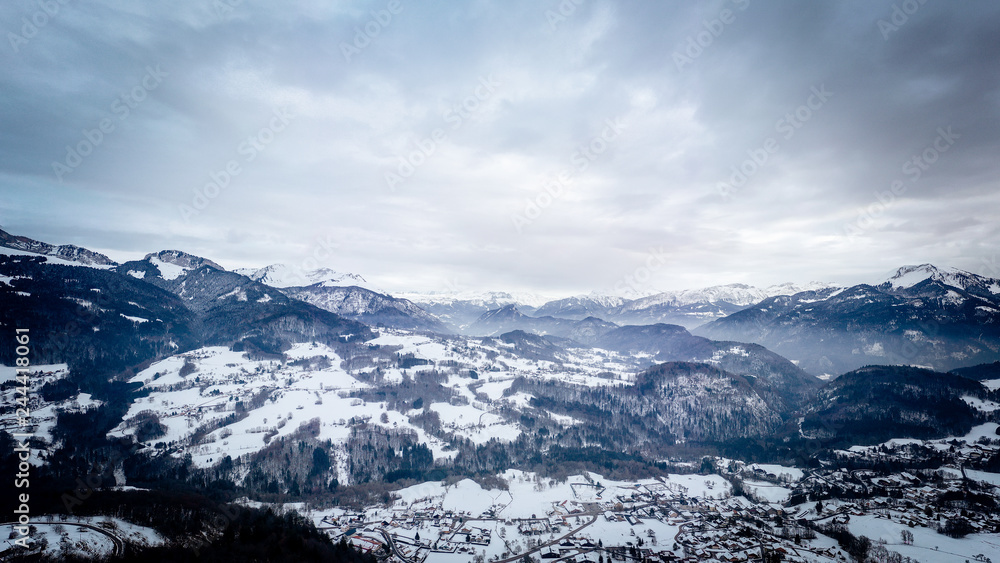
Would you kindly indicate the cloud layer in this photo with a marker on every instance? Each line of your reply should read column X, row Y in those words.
column 547, row 146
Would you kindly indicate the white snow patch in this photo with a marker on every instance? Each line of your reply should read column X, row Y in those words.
column 979, row 404
column 168, row 271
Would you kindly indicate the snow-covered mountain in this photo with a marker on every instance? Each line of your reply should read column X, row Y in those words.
column 171, row 264
column 283, row 275
column 345, row 294
column 367, row 306
column 459, row 309
column 688, row 307
column 738, row 294
column 694, row 307
column 922, row 315
column 207, row 377
column 909, row 276
column 488, row 299
column 595, row 304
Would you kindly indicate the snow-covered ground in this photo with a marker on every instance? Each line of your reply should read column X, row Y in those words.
column 782, row 472
column 928, row 545
column 767, row 492
column 979, row 404
column 63, row 536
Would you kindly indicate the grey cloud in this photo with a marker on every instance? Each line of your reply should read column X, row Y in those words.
column 655, row 184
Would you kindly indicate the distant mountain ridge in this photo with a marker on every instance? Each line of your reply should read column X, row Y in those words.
column 937, row 317
column 459, row 309
column 66, row 252
column 688, row 308
column 916, row 317
column 464, row 312
column 282, row 276
column 367, row 306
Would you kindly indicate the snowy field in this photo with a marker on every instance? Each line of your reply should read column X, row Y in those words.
column 928, row 545
column 767, row 492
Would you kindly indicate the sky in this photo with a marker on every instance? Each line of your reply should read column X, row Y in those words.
column 550, row 146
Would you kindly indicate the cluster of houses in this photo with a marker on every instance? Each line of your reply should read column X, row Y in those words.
column 710, row 525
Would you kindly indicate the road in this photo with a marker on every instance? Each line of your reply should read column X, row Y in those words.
column 556, row 541
column 392, row 546
column 119, row 548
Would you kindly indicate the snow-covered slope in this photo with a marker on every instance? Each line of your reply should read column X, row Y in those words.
column 213, row 402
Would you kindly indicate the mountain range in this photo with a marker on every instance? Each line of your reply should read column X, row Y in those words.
column 291, row 388
column 926, row 316
column 934, row 317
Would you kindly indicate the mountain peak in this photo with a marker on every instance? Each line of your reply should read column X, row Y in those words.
column 182, row 259
column 174, row 263
column 507, row 312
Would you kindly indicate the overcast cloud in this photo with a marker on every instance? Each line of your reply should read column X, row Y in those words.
column 550, row 146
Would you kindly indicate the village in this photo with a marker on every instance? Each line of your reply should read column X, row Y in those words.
column 943, row 513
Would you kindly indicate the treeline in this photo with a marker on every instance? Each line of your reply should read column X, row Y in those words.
column 380, row 454
column 877, row 403
column 671, row 403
